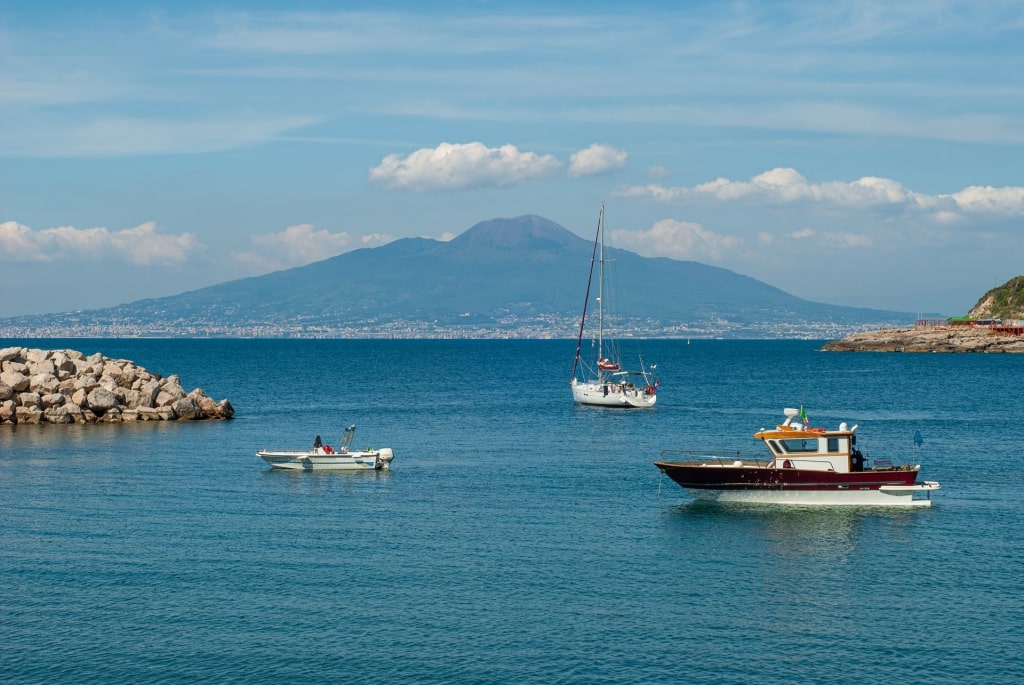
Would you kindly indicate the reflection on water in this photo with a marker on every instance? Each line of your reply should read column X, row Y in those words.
column 822, row 533
column 323, row 480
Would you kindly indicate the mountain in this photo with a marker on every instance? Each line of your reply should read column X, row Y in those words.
column 500, row 277
column 1002, row 302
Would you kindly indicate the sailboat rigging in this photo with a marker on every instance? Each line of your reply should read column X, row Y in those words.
column 609, row 385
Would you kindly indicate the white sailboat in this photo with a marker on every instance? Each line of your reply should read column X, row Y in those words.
column 604, row 382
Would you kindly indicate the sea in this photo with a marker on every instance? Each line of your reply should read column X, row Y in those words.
column 519, row 538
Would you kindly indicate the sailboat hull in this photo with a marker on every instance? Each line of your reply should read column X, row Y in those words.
column 606, row 394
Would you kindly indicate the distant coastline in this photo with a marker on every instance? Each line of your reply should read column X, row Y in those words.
column 550, row 328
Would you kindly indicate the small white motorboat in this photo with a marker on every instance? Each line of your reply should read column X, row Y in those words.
column 323, row 457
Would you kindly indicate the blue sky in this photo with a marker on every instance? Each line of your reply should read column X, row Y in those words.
column 855, row 153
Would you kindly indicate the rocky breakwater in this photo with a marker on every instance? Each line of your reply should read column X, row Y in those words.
column 66, row 386
column 954, row 339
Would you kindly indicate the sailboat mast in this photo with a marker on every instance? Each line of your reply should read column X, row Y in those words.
column 600, row 296
column 586, row 298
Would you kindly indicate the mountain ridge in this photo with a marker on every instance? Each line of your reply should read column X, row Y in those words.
column 498, row 276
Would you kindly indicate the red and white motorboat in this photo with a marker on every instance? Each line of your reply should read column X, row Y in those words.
column 805, row 465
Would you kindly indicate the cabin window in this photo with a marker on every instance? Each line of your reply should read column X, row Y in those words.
column 833, row 444
column 799, row 445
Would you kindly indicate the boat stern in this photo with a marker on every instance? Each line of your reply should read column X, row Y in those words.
column 384, row 458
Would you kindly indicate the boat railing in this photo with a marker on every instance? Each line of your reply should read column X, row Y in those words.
column 717, row 457
column 890, row 465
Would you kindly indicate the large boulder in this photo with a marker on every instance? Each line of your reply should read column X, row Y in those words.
column 7, row 411
column 33, row 356
column 30, row 399
column 57, row 415
column 186, row 409
column 80, row 397
column 110, row 384
column 225, row 410
column 44, row 382
column 63, row 363
column 16, row 366
column 133, row 399
column 147, row 414
column 28, row 415
column 16, row 380
column 112, row 415
column 54, row 399
column 172, row 386
column 100, row 401
column 74, row 412
column 150, row 391
column 11, row 353
column 46, row 367
column 87, row 381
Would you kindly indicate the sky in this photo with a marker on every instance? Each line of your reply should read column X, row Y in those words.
column 855, row 153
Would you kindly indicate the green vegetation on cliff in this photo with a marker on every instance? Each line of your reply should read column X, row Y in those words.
column 1003, row 302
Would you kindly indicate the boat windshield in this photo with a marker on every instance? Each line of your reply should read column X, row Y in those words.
column 797, row 445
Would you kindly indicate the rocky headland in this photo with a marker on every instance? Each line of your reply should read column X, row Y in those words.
column 995, row 324
column 66, row 386
column 929, row 340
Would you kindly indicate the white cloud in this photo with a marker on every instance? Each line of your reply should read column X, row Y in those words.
column 596, row 159
column 986, row 199
column 658, row 171
column 677, row 240
column 302, row 244
column 785, row 185
column 462, row 165
column 141, row 245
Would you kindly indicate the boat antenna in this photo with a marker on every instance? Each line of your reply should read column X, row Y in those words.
column 586, row 299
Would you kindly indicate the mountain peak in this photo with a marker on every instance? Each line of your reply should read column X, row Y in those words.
column 526, row 231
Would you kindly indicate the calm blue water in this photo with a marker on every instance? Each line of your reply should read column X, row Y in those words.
column 519, row 538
